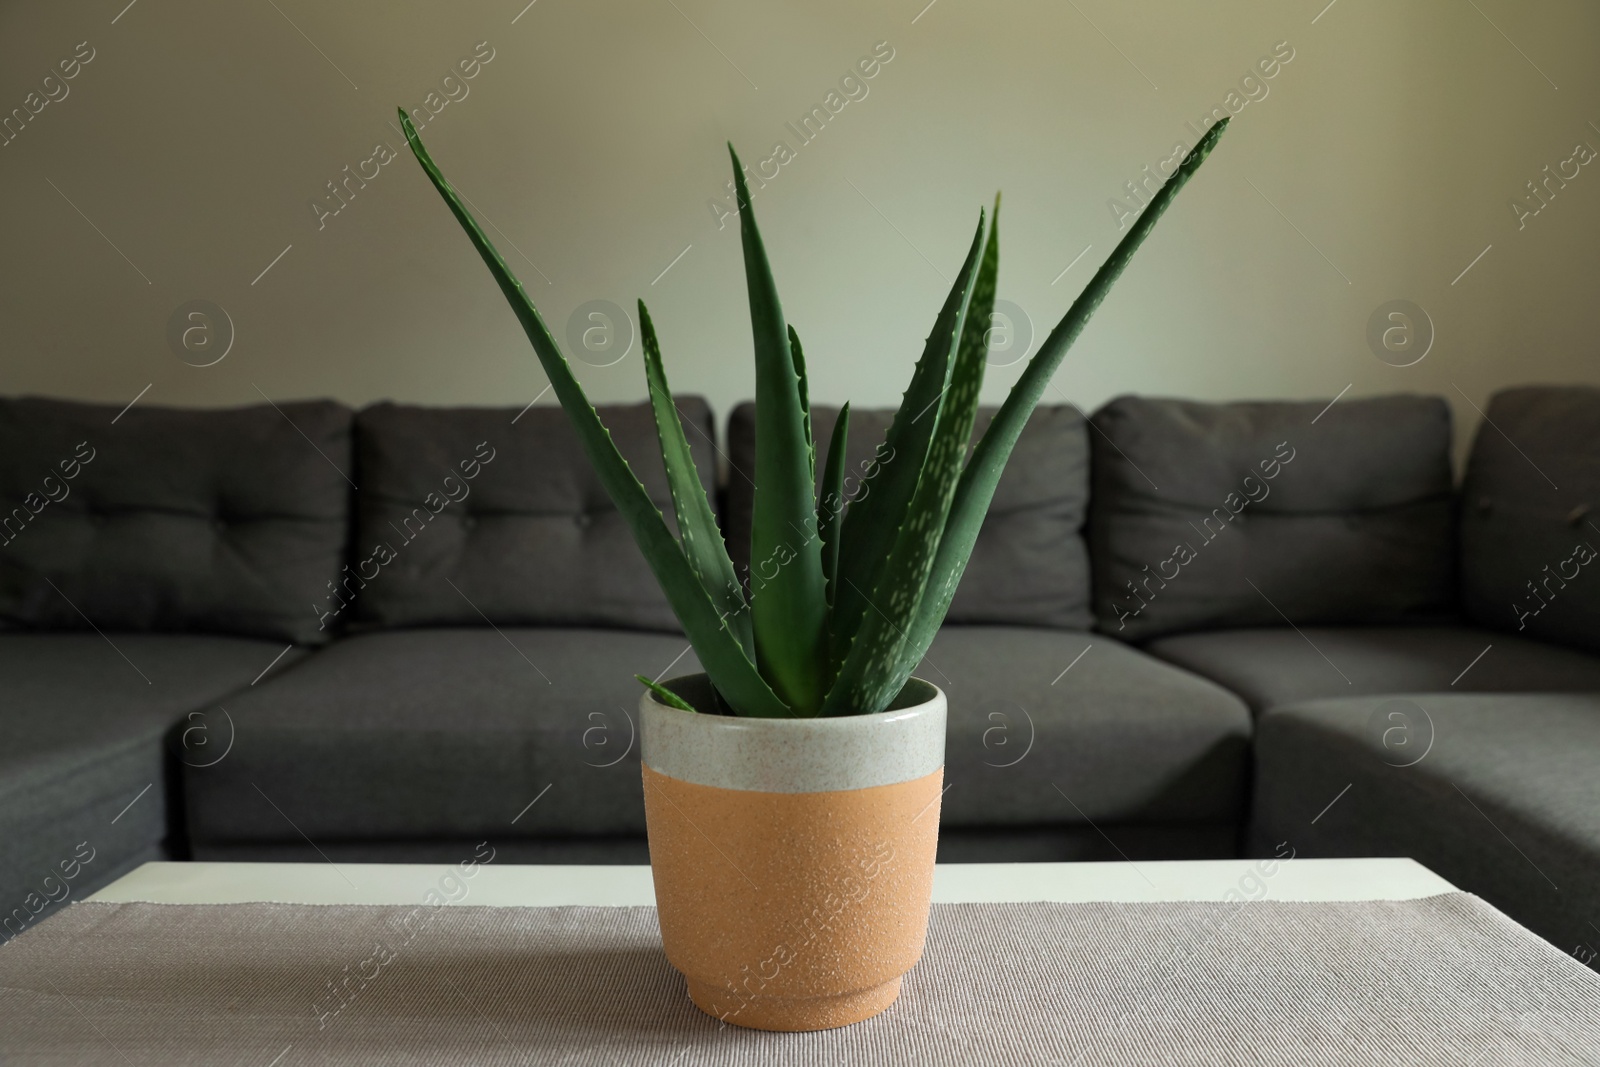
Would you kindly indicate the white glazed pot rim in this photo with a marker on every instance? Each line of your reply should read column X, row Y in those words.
column 804, row 755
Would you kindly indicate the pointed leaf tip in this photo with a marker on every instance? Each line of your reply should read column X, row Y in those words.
column 665, row 695
column 741, row 191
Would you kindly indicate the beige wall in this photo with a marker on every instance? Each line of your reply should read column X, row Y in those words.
column 197, row 136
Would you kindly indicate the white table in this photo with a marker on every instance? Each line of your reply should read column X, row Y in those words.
column 1346, row 961
column 547, row 885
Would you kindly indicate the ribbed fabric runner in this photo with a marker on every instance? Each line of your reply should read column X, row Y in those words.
column 1444, row 980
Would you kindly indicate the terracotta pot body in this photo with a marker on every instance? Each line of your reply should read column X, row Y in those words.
column 793, row 858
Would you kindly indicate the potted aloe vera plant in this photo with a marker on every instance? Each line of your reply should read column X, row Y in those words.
column 792, row 789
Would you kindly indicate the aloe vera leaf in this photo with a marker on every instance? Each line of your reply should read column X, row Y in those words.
column 874, row 671
column 789, row 605
column 978, row 481
column 872, row 522
column 730, row 670
column 699, row 536
column 805, row 399
column 665, row 695
column 830, row 508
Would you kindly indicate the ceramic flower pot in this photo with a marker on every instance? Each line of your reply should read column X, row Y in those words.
column 793, row 858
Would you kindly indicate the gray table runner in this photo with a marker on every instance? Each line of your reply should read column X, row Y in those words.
column 1444, row 980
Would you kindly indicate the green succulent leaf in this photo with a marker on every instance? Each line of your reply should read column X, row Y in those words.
column 665, row 695
column 730, row 670
column 954, row 433
column 830, row 508
column 978, row 481
column 699, row 536
column 876, row 669
column 873, row 522
column 789, row 605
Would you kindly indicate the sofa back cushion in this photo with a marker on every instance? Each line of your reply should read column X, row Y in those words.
column 474, row 514
column 1030, row 566
column 1530, row 516
column 1206, row 516
column 230, row 521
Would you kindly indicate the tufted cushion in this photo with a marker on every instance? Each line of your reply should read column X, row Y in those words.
column 465, row 515
column 1339, row 513
column 1530, row 516
column 1029, row 567
column 230, row 521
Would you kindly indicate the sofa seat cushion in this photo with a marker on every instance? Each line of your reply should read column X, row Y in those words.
column 1206, row 516
column 468, row 514
column 1496, row 792
column 1065, row 727
column 1280, row 665
column 1530, row 516
column 439, row 734
column 85, row 765
column 228, row 521
column 1029, row 567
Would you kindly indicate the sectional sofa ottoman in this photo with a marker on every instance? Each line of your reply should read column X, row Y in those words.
column 1488, row 777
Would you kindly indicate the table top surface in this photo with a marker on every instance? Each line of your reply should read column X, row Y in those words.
column 1344, row 961
column 509, row 885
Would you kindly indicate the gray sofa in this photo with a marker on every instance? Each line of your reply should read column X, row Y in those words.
column 317, row 634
